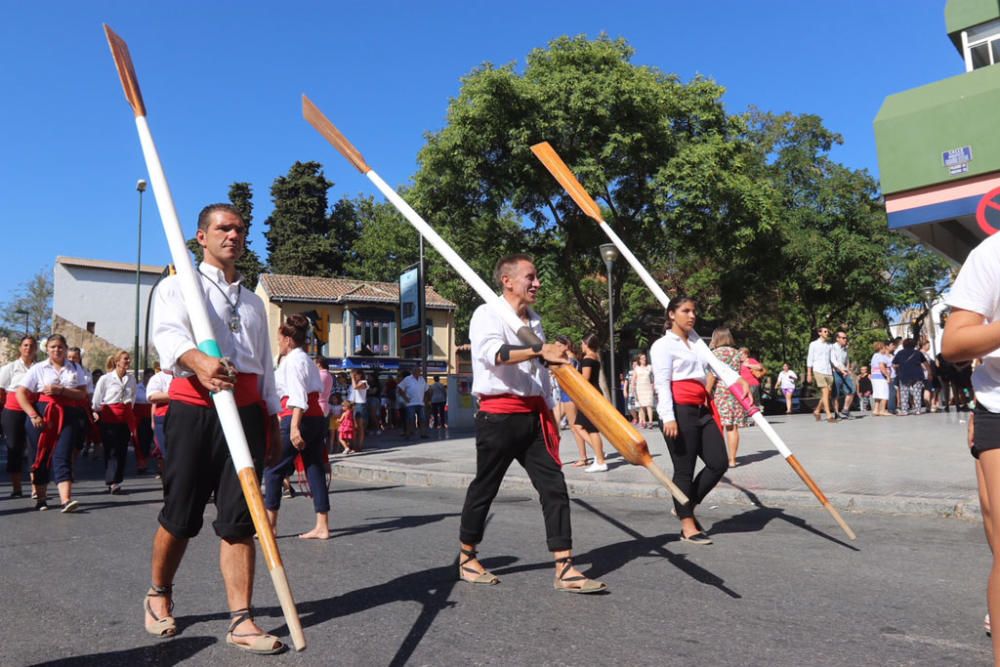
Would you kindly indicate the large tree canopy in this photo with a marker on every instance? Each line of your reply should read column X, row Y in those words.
column 747, row 212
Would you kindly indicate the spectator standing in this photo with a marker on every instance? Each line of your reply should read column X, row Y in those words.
column 818, row 368
column 358, row 396
column 413, row 388
column 632, row 401
column 590, row 369
column 439, row 401
column 786, row 383
column 731, row 413
column 569, row 407
column 752, row 371
column 881, row 363
column 843, row 379
column 893, row 347
column 910, row 365
column 864, row 389
column 642, row 376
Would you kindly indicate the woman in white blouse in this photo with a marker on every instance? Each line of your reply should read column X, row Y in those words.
column 53, row 393
column 685, row 408
column 303, row 426
column 13, row 418
column 114, row 397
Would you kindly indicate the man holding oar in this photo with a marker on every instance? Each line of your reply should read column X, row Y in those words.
column 199, row 463
column 515, row 423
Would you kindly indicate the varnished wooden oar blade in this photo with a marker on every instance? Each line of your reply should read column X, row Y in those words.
column 558, row 168
column 323, row 125
column 126, row 72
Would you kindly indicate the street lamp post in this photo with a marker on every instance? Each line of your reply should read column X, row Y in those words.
column 929, row 293
column 610, row 253
column 20, row 311
column 140, row 187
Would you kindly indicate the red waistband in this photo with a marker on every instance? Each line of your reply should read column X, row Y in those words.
column 689, row 392
column 11, row 401
column 511, row 404
column 189, row 390
column 314, row 409
column 160, row 409
column 116, row 413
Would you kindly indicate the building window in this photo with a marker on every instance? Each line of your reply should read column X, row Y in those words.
column 373, row 332
column 982, row 46
column 90, row 327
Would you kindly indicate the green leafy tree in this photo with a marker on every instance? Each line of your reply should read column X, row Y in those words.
column 303, row 237
column 31, row 301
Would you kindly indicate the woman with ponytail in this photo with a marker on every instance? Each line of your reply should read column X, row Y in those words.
column 685, row 406
column 303, row 426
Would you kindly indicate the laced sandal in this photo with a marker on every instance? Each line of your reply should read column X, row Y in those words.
column 485, row 577
column 261, row 643
column 161, row 627
column 568, row 584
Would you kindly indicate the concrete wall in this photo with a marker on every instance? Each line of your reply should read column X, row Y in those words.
column 104, row 297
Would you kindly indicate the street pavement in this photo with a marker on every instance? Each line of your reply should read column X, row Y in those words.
column 780, row 586
column 903, row 465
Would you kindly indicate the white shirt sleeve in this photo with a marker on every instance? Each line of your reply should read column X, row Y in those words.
column 663, row 372
column 296, row 376
column 6, row 373
column 975, row 288
column 487, row 336
column 98, row 400
column 172, row 332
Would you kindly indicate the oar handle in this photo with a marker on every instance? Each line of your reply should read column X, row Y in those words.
column 658, row 473
column 801, row 472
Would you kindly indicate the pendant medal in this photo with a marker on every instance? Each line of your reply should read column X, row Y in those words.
column 234, row 321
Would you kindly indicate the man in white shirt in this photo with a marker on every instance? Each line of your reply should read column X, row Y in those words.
column 515, row 423
column 818, row 366
column 199, row 463
column 412, row 389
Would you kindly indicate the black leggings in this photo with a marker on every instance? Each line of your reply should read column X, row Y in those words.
column 697, row 437
column 14, row 431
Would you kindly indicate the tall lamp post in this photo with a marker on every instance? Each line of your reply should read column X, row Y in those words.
column 140, row 187
column 929, row 293
column 609, row 253
column 19, row 311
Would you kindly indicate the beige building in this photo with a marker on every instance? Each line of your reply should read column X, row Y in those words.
column 360, row 320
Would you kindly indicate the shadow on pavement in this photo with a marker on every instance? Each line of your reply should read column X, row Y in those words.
column 613, row 556
column 756, row 457
column 393, row 524
column 755, row 520
column 170, row 652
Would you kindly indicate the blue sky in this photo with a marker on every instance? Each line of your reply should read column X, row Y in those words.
column 222, row 82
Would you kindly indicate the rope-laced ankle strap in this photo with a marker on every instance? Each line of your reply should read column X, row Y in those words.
column 237, row 616
column 161, row 591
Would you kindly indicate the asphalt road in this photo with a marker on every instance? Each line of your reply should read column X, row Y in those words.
column 776, row 588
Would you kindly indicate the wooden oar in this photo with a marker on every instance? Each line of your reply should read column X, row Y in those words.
column 619, row 432
column 225, row 402
column 548, row 156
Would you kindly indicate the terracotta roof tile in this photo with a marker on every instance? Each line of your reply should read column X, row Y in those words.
column 340, row 290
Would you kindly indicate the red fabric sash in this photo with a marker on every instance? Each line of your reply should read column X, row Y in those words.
column 117, row 413
column 160, row 409
column 11, row 401
column 189, row 390
column 693, row 392
column 314, row 409
column 51, row 428
column 511, row 404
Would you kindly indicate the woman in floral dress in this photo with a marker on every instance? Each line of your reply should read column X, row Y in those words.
column 730, row 411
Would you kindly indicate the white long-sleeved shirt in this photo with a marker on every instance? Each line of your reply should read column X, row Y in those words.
column 296, row 378
column 818, row 358
column 249, row 348
column 674, row 359
column 11, row 374
column 113, row 389
column 159, row 383
column 487, row 333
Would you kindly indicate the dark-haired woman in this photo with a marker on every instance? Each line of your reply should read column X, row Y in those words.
column 13, row 418
column 303, row 426
column 53, row 393
column 685, row 408
column 590, row 369
column 114, row 397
